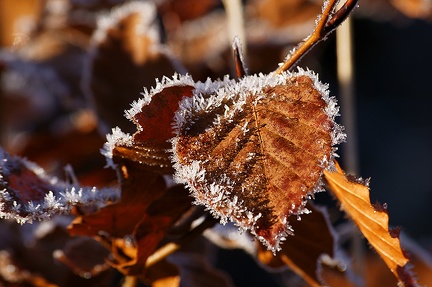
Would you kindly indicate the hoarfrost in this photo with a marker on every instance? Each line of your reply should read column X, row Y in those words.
column 49, row 196
column 117, row 137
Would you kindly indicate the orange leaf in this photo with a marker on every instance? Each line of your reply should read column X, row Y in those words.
column 373, row 223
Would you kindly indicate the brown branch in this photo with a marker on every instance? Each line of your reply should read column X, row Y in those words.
column 340, row 16
column 328, row 21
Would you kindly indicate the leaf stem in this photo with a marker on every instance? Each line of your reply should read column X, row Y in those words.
column 172, row 247
column 130, row 281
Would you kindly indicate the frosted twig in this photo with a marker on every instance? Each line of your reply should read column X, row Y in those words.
column 326, row 23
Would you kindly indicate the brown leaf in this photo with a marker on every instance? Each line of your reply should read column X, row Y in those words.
column 151, row 146
column 252, row 152
column 373, row 223
column 153, row 116
column 127, row 55
column 139, row 190
column 313, row 238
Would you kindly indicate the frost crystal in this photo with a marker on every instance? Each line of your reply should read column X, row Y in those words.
column 177, row 80
column 117, row 137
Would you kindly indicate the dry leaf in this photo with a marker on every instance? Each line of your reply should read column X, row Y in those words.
column 372, row 222
column 252, row 151
column 151, row 146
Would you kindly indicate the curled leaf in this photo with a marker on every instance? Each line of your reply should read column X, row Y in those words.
column 252, row 151
column 372, row 222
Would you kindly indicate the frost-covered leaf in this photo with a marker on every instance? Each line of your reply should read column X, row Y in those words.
column 252, row 151
column 153, row 116
column 126, row 54
column 313, row 240
column 372, row 222
column 27, row 193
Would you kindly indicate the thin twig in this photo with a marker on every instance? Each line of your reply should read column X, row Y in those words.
column 340, row 16
column 130, row 281
column 328, row 21
column 172, row 247
column 240, row 66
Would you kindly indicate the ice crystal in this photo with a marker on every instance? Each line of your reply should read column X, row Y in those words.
column 177, row 80
column 117, row 137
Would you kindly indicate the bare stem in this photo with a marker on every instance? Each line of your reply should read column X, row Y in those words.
column 172, row 247
column 130, row 281
column 238, row 59
column 328, row 21
column 234, row 10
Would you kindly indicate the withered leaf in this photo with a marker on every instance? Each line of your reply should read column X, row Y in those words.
column 127, row 54
column 251, row 152
column 27, row 193
column 372, row 222
column 139, row 190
